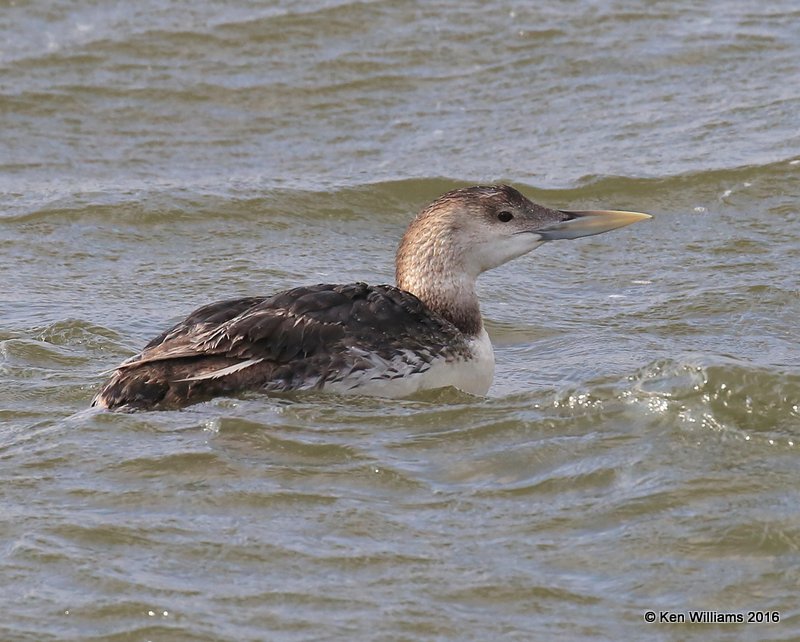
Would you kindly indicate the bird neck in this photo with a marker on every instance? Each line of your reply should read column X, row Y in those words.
column 430, row 268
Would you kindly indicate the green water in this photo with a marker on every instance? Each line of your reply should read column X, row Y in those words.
column 639, row 449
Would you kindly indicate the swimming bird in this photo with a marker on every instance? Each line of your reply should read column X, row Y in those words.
column 426, row 332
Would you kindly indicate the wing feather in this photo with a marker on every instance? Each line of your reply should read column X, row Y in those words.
column 299, row 323
column 303, row 338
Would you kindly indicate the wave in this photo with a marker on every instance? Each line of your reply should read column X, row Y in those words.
column 721, row 393
column 143, row 201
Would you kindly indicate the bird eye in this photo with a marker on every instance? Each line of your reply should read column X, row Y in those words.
column 505, row 216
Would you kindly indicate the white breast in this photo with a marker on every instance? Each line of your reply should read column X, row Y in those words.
column 473, row 375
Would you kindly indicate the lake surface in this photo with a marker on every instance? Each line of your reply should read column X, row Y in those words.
column 640, row 447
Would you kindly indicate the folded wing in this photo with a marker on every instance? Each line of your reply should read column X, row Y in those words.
column 298, row 339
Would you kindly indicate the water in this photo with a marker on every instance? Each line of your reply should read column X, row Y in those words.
column 639, row 448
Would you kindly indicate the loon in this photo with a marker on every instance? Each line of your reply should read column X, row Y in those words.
column 380, row 340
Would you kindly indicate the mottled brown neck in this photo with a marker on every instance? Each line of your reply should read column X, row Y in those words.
column 431, row 268
column 464, row 314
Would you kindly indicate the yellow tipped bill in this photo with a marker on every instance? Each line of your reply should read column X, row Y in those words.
column 589, row 222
